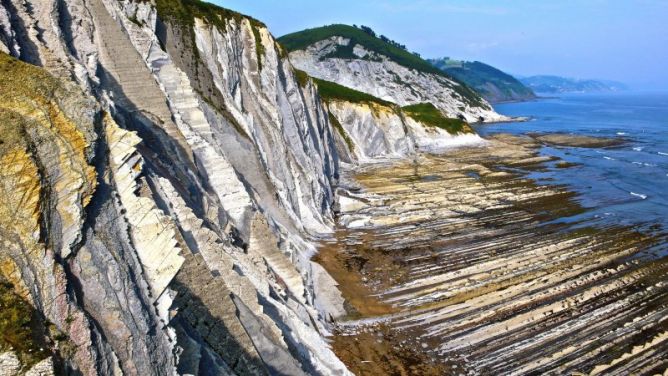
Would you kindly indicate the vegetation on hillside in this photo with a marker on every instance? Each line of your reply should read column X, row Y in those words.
column 20, row 327
column 339, row 128
column 492, row 83
column 556, row 84
column 429, row 115
column 301, row 76
column 425, row 113
column 184, row 12
column 370, row 31
column 382, row 45
column 259, row 47
column 365, row 37
column 331, row 90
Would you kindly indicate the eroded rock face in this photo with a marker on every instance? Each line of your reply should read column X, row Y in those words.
column 370, row 132
column 375, row 74
column 455, row 264
column 163, row 191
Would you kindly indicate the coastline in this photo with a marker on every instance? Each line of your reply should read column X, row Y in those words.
column 531, row 99
column 421, row 247
column 515, row 119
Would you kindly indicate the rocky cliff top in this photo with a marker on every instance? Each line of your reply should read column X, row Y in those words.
column 166, row 176
column 164, row 180
column 358, row 59
column 363, row 36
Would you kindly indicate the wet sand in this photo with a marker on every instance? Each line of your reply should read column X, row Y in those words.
column 459, row 264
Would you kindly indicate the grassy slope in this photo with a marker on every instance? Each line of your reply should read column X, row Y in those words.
column 425, row 113
column 330, row 90
column 302, row 39
column 477, row 75
column 183, row 13
column 429, row 115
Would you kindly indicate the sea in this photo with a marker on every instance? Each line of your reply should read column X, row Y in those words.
column 621, row 185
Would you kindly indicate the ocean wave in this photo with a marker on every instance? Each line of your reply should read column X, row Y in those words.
column 608, row 158
column 638, row 148
column 644, row 164
column 642, row 196
column 661, row 153
column 621, row 133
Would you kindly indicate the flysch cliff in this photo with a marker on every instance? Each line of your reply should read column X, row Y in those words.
column 369, row 129
column 164, row 179
column 357, row 59
column 166, row 173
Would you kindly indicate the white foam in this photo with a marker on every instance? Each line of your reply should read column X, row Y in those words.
column 610, row 159
column 642, row 196
column 638, row 163
column 638, row 148
column 661, row 153
column 621, row 133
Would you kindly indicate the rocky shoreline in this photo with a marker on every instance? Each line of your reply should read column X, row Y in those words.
column 574, row 140
column 460, row 263
column 166, row 174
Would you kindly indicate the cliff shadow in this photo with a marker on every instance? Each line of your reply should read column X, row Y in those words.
column 210, row 342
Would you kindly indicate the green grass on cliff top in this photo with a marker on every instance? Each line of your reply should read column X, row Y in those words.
column 425, row 113
column 185, row 12
column 302, row 39
column 429, row 115
column 329, row 90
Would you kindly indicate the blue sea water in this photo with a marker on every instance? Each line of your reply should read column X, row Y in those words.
column 625, row 185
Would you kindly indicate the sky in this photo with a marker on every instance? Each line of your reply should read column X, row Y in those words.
column 623, row 40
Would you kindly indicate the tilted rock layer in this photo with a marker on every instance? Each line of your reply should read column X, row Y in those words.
column 372, row 132
column 375, row 74
column 164, row 177
column 165, row 173
column 462, row 264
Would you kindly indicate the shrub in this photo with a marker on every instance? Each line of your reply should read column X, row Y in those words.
column 392, row 50
column 331, row 90
column 429, row 115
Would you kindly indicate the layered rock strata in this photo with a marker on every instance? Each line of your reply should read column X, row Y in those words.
column 163, row 192
column 369, row 132
column 165, row 174
column 375, row 74
column 463, row 258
